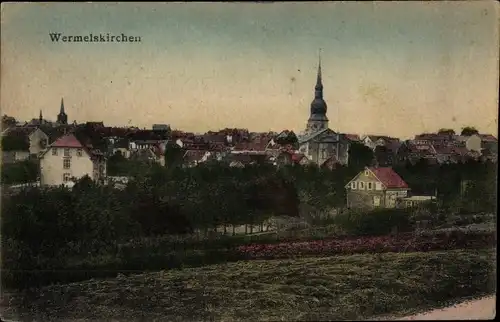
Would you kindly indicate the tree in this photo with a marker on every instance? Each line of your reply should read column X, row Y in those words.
column 8, row 121
column 14, row 143
column 173, row 155
column 117, row 164
column 469, row 130
column 20, row 172
column 446, row 131
column 360, row 156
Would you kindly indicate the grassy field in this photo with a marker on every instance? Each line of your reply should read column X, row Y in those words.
column 329, row 288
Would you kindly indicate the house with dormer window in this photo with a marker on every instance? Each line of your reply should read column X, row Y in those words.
column 376, row 187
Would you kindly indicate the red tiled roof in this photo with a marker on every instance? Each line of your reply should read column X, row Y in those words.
column 67, row 141
column 389, row 177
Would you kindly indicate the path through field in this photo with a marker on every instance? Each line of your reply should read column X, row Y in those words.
column 482, row 309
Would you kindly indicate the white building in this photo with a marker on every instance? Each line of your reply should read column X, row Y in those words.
column 68, row 158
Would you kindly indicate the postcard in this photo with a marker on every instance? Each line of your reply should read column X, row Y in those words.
column 249, row 161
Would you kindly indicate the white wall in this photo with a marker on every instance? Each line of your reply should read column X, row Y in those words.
column 52, row 171
column 35, row 138
column 473, row 143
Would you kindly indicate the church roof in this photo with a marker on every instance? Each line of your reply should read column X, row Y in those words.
column 309, row 136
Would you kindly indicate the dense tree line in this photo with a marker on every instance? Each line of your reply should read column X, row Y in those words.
column 469, row 186
column 14, row 143
column 43, row 228
column 20, row 172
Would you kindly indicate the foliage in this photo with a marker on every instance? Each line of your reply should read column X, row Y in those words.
column 376, row 222
column 356, row 287
column 48, row 228
column 446, row 131
column 360, row 156
column 401, row 243
column 173, row 155
column 20, row 172
column 447, row 182
column 469, row 130
column 14, row 143
column 118, row 165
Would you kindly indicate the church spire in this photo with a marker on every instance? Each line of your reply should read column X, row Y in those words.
column 62, row 106
column 62, row 118
column 318, row 90
column 318, row 119
column 40, row 118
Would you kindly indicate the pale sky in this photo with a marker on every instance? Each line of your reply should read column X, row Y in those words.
column 388, row 67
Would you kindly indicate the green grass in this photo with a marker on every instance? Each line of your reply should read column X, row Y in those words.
column 331, row 288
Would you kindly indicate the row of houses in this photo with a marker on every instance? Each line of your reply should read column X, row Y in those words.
column 237, row 147
column 436, row 148
column 76, row 153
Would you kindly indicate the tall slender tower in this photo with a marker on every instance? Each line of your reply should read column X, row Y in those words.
column 62, row 118
column 317, row 120
column 40, row 118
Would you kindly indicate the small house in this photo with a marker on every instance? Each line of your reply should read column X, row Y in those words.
column 376, row 187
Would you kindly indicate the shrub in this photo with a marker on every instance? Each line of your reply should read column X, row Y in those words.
column 376, row 222
column 409, row 242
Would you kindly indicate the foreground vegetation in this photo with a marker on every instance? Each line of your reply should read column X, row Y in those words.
column 328, row 288
column 150, row 224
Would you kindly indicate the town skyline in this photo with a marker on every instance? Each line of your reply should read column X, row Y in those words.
column 193, row 72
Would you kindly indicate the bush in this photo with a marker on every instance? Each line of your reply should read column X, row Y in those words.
column 20, row 172
column 409, row 242
column 375, row 223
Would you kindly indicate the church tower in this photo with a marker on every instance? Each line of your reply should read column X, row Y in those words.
column 317, row 120
column 40, row 118
column 62, row 118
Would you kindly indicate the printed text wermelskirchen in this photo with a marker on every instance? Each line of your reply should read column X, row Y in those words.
column 91, row 38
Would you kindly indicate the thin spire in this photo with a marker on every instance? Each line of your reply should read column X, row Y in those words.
column 40, row 117
column 319, row 82
column 319, row 66
column 62, row 106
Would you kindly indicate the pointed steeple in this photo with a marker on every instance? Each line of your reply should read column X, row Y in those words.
column 319, row 82
column 62, row 118
column 62, row 106
column 40, row 118
column 318, row 119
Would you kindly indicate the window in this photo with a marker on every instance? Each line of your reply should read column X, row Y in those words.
column 376, row 201
column 54, row 151
column 378, row 186
column 67, row 163
column 361, row 185
column 370, row 186
column 66, row 177
column 79, row 152
column 66, row 152
column 324, row 153
column 353, row 185
column 366, row 172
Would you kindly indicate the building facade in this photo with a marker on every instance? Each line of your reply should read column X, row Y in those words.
column 376, row 188
column 318, row 142
column 68, row 158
